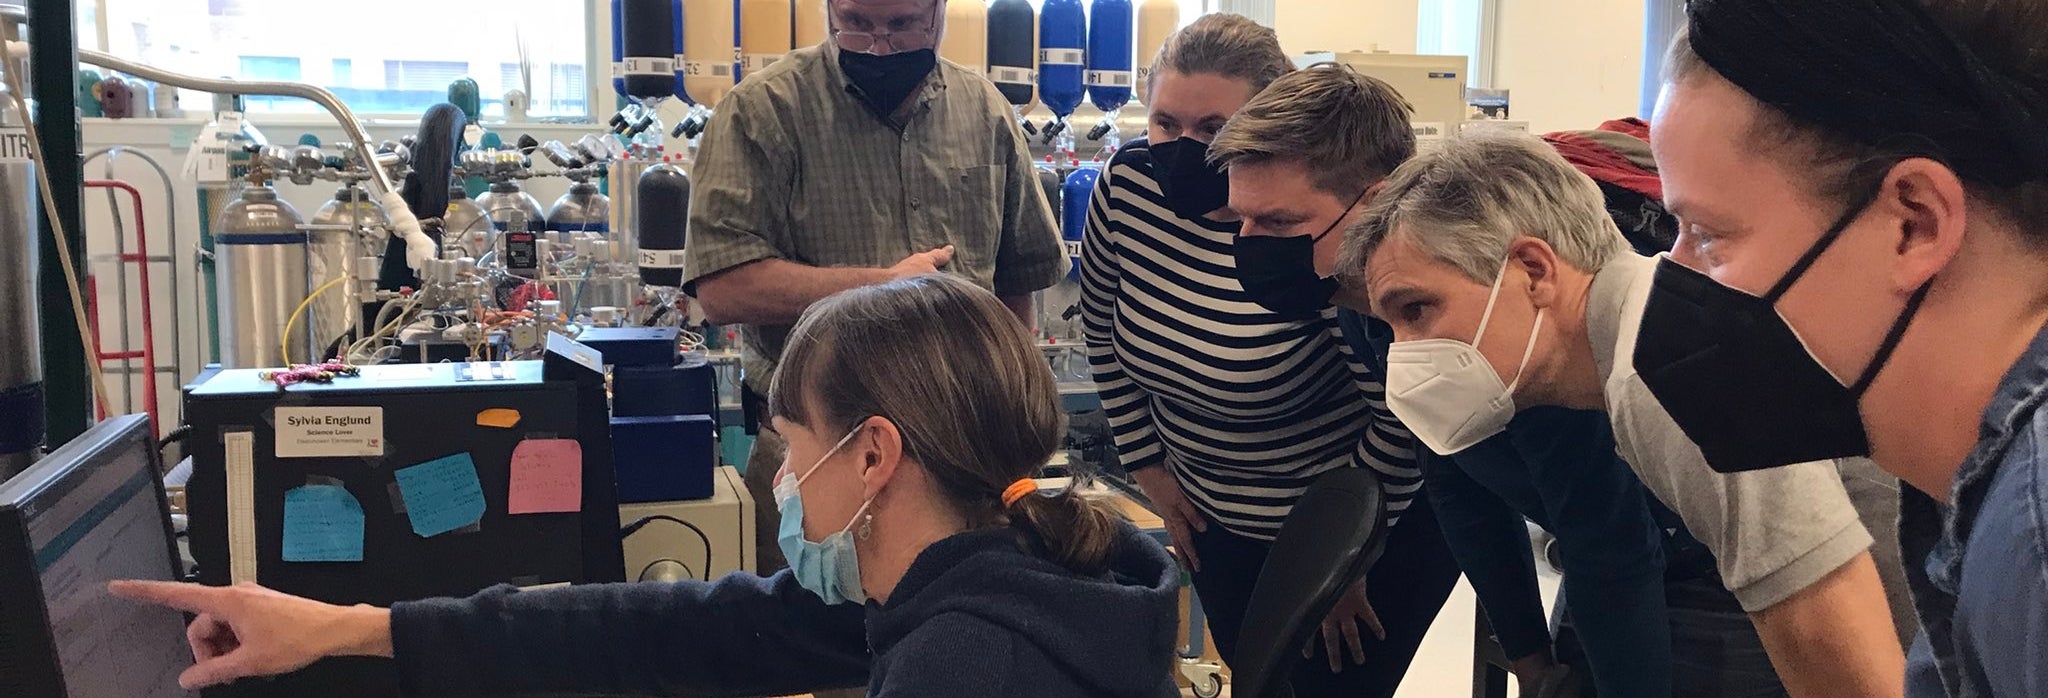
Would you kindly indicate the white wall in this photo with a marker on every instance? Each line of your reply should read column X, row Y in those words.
column 1570, row 64
column 1346, row 25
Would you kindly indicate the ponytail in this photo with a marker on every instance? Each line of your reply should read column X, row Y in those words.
column 1075, row 531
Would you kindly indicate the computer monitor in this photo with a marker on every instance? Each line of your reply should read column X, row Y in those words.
column 90, row 513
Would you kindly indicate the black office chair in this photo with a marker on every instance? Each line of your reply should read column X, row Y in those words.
column 1334, row 534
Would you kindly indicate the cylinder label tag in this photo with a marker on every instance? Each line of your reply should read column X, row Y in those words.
column 650, row 65
column 661, row 259
column 1109, row 78
column 1010, row 75
column 700, row 69
column 1062, row 56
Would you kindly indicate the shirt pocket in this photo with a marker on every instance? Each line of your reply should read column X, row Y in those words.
column 974, row 218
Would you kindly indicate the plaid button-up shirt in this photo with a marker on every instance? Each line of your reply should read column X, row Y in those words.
column 797, row 167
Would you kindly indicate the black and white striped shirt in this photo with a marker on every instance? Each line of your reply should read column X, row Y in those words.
column 1244, row 406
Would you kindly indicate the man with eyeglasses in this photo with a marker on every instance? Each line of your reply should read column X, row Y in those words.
column 855, row 162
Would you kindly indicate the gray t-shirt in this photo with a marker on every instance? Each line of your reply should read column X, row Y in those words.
column 1774, row 532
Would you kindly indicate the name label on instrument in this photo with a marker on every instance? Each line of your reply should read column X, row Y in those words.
column 329, row 432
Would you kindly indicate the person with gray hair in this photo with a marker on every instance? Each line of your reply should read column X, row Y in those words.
column 1303, row 161
column 1498, row 233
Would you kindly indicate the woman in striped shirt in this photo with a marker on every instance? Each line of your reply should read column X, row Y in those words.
column 1224, row 411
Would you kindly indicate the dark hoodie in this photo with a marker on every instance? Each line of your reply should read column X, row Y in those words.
column 975, row 615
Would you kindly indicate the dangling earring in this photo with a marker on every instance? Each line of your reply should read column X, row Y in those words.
column 867, row 526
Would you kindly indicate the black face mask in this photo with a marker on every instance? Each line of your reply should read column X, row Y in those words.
column 1191, row 185
column 1279, row 273
column 885, row 81
column 1736, row 378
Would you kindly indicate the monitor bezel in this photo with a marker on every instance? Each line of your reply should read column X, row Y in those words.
column 27, row 623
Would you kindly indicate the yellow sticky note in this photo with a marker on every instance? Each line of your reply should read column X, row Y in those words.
column 498, row 417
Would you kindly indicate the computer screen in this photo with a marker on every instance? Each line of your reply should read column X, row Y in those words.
column 90, row 513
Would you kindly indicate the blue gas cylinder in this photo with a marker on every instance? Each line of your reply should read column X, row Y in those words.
column 1109, row 54
column 1062, row 55
column 1075, row 195
column 618, row 47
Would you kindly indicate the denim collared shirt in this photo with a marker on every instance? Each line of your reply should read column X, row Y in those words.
column 1982, row 591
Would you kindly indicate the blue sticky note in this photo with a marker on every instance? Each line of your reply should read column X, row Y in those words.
column 442, row 495
column 322, row 523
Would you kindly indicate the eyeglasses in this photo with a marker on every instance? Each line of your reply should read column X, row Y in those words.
column 901, row 40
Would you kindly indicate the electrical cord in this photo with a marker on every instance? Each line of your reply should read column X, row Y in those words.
column 284, row 348
column 35, row 147
column 635, row 527
column 408, row 304
column 173, row 436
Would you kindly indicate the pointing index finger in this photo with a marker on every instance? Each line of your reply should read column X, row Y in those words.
column 193, row 598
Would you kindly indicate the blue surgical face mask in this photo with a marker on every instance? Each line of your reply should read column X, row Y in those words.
column 829, row 569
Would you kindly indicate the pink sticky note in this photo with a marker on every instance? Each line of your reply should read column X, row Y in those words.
column 547, row 477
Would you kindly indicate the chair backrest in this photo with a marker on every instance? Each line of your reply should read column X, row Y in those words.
column 1334, row 534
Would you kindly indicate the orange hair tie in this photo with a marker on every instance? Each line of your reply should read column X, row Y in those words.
column 1017, row 490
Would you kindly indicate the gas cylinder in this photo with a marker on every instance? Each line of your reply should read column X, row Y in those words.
column 663, row 215
column 336, row 252
column 618, row 48
column 1074, row 197
column 260, row 270
column 708, row 49
column 464, row 224
column 581, row 210
column 649, row 58
column 517, row 217
column 1013, row 51
column 1062, row 55
column 21, row 361
column 681, row 61
column 1157, row 19
column 966, row 41
column 1109, row 54
column 809, row 24
column 764, row 33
